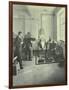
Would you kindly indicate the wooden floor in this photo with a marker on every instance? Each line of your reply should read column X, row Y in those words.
column 39, row 74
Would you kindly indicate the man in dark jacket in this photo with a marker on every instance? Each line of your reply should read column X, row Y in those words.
column 27, row 44
column 17, row 52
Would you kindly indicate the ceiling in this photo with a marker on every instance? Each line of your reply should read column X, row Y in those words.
column 33, row 11
column 41, row 9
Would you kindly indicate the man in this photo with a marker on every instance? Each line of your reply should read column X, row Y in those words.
column 59, row 53
column 27, row 44
column 39, row 44
column 18, row 45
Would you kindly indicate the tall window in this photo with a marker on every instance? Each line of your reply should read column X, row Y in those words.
column 61, row 25
column 47, row 26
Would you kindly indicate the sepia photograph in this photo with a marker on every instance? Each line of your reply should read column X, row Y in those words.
column 37, row 44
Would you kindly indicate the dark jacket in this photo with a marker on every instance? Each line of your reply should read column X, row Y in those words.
column 17, row 44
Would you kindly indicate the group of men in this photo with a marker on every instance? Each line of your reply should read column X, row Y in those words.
column 25, row 45
column 52, row 51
